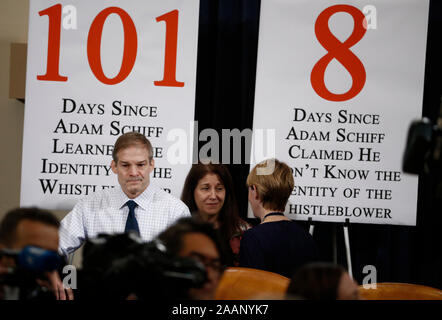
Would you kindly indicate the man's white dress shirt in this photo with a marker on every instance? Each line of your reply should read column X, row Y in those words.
column 106, row 212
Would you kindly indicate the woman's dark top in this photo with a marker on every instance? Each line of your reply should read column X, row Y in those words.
column 280, row 247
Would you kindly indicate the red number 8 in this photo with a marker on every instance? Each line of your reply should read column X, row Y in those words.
column 340, row 51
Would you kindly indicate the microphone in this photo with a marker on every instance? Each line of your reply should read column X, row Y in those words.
column 35, row 258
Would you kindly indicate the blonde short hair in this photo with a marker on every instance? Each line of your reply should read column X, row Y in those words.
column 274, row 188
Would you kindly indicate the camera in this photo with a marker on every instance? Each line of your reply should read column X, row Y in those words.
column 118, row 266
column 31, row 263
column 423, row 153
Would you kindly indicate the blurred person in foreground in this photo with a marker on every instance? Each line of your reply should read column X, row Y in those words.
column 278, row 244
column 208, row 192
column 322, row 281
column 195, row 239
column 25, row 227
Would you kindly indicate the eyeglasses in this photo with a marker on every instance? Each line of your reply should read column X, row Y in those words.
column 214, row 264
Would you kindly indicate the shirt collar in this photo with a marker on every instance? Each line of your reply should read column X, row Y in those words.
column 142, row 200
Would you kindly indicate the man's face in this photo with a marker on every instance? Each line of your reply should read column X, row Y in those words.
column 133, row 169
column 33, row 233
column 200, row 247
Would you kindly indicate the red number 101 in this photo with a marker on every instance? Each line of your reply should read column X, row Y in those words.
column 94, row 46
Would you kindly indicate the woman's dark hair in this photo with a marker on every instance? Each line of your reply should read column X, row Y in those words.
column 316, row 281
column 228, row 218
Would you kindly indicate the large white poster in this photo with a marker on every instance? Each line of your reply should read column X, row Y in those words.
column 340, row 83
column 97, row 69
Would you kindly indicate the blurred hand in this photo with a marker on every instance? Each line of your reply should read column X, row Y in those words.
column 55, row 284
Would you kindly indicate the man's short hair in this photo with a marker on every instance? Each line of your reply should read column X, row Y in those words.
column 130, row 139
column 273, row 189
column 8, row 226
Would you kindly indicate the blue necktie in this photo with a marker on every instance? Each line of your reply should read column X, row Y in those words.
column 131, row 222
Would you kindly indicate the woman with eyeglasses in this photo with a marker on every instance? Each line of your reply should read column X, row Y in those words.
column 195, row 239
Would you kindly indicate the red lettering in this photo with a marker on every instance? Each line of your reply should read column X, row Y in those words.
column 340, row 51
column 169, row 77
column 94, row 45
column 53, row 58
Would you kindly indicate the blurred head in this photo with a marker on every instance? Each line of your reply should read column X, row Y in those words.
column 270, row 189
column 323, row 281
column 196, row 239
column 208, row 191
column 132, row 163
column 28, row 227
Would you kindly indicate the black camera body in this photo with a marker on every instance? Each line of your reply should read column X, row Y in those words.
column 118, row 266
column 423, row 153
column 424, row 147
column 30, row 265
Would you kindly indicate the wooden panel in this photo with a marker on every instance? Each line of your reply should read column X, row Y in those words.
column 246, row 283
column 17, row 70
column 400, row 291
